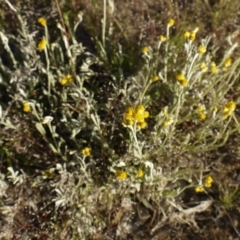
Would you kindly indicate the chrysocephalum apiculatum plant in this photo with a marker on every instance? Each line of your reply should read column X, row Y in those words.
column 175, row 109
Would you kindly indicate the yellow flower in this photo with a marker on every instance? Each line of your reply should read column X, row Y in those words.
column 228, row 62
column 128, row 115
column 26, row 107
column 214, row 68
column 171, row 22
column 140, row 173
column 168, row 121
column 191, row 35
column 199, row 189
column 146, row 114
column 182, row 80
column 42, row 44
column 202, row 116
column 155, row 78
column 186, row 34
column 121, row 175
column 202, row 112
column 203, row 67
column 49, row 174
column 209, row 179
column 66, row 80
column 180, row 76
column 208, row 182
column 141, row 125
column 145, row 50
column 42, row 21
column 228, row 109
column 86, row 151
column 137, row 115
column 162, row 38
column 201, row 49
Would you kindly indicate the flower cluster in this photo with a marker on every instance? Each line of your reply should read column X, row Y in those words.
column 191, row 35
column 207, row 183
column 228, row 109
column 66, row 80
column 135, row 115
column 182, row 79
column 201, row 111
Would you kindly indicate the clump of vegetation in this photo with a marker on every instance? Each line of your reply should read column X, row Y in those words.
column 93, row 150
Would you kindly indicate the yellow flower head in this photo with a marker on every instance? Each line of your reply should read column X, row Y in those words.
column 192, row 36
column 228, row 109
column 26, row 107
column 203, row 67
column 67, row 79
column 208, row 181
column 201, row 49
column 141, row 125
column 42, row 21
column 199, row 189
column 121, row 175
column 214, row 68
column 182, row 80
column 42, row 44
column 180, row 76
column 168, row 121
column 139, row 113
column 186, row 34
column 202, row 111
column 155, row 78
column 86, row 151
column 228, row 62
column 171, row 22
column 129, row 111
column 140, row 173
column 162, row 38
column 202, row 116
column 145, row 49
